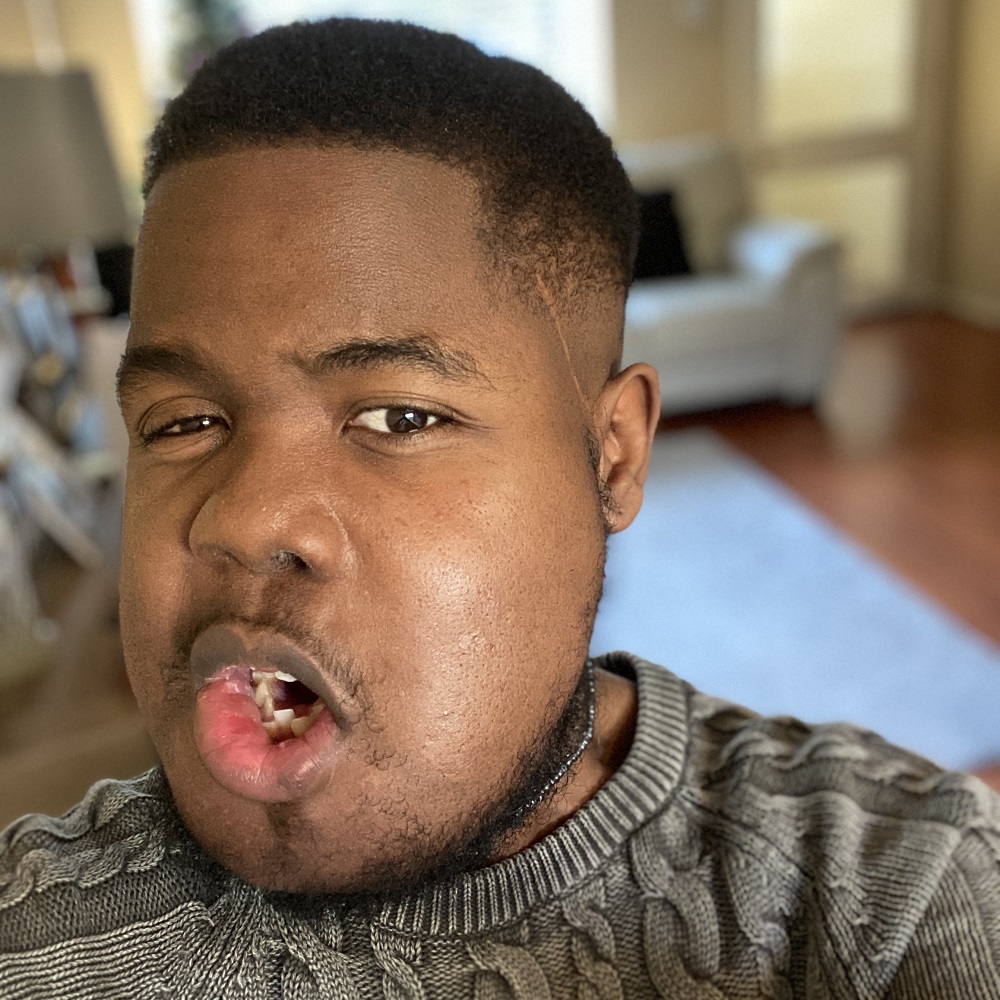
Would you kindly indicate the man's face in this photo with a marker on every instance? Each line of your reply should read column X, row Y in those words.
column 354, row 461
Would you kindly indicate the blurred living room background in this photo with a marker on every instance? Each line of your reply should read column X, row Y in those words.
column 820, row 290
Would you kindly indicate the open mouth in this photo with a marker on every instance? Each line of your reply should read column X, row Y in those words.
column 287, row 707
column 260, row 727
column 262, row 733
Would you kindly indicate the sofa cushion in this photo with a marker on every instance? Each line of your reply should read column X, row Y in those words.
column 709, row 189
column 661, row 251
column 666, row 320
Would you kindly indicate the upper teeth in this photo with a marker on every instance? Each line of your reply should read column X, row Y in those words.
column 269, row 675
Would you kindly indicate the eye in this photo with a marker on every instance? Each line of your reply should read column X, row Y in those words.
column 396, row 419
column 183, row 427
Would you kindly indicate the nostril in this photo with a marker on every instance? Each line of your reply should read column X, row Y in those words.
column 288, row 560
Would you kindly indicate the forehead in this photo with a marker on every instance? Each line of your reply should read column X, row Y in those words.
column 307, row 245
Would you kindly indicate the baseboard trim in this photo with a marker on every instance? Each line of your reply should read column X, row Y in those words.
column 984, row 310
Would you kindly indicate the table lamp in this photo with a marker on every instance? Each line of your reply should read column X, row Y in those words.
column 58, row 184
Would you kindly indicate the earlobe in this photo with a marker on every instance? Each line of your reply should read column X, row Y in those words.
column 628, row 411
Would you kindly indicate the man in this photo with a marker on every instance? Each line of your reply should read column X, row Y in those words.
column 378, row 438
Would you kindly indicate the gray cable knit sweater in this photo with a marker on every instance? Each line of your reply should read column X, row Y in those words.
column 730, row 856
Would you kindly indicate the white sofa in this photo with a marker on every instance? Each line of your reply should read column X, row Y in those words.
column 759, row 317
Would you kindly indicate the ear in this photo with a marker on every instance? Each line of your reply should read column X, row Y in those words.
column 626, row 417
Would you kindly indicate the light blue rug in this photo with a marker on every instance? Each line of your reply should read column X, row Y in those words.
column 734, row 584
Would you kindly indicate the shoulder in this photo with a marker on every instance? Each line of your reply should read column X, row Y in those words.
column 859, row 851
column 825, row 796
column 110, row 814
column 61, row 877
column 829, row 776
column 108, row 900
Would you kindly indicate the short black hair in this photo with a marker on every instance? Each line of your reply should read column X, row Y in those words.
column 555, row 201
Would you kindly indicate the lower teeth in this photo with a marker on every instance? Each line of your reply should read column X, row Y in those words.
column 299, row 725
column 281, row 723
column 287, row 724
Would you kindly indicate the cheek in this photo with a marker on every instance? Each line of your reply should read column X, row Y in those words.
column 150, row 587
column 492, row 597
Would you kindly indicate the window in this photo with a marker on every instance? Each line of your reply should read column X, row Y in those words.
column 570, row 40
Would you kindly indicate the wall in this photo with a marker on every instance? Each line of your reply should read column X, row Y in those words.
column 972, row 242
column 96, row 35
column 15, row 38
column 669, row 68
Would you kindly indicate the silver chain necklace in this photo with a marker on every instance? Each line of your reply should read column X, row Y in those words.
column 588, row 735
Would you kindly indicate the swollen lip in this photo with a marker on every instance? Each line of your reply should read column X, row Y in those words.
column 236, row 748
column 240, row 754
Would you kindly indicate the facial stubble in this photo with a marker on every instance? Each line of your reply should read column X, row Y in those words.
column 481, row 836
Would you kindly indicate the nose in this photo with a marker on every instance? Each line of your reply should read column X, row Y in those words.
column 269, row 508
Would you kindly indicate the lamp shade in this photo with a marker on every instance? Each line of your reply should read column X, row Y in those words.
column 58, row 182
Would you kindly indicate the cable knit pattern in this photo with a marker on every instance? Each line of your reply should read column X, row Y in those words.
column 730, row 856
column 42, row 868
column 680, row 923
column 593, row 946
column 398, row 956
column 507, row 971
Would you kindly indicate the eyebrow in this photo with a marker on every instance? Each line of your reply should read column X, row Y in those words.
column 140, row 361
column 415, row 351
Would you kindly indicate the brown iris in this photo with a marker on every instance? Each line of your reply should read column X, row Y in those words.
column 401, row 419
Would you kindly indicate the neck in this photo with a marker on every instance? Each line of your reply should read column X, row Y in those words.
column 614, row 726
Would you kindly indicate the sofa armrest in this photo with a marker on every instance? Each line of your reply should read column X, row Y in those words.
column 803, row 261
column 777, row 248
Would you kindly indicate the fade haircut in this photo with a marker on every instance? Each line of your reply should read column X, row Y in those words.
column 555, row 203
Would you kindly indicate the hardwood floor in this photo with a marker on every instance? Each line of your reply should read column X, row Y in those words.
column 903, row 454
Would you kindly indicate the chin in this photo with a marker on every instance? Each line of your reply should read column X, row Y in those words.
column 284, row 847
column 279, row 868
column 280, row 849
column 268, row 854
